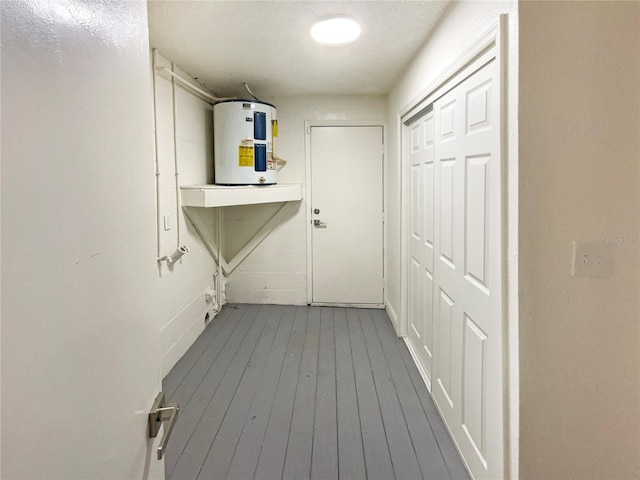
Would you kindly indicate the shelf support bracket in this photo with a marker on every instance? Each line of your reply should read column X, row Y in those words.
column 199, row 223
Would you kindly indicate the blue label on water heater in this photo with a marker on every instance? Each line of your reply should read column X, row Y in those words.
column 260, row 152
column 259, row 125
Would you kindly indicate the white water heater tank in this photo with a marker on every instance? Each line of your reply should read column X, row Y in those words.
column 243, row 143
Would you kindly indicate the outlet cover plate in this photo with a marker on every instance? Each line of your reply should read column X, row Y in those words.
column 591, row 260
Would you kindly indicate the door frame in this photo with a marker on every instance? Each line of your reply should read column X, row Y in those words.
column 309, row 195
column 492, row 44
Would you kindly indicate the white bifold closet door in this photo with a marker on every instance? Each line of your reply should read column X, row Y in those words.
column 421, row 240
column 455, row 255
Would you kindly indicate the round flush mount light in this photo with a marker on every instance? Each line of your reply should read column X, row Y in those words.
column 336, row 30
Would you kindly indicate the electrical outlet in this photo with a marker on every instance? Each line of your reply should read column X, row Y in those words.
column 168, row 222
column 591, row 260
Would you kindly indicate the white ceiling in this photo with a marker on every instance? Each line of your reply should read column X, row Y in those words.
column 267, row 44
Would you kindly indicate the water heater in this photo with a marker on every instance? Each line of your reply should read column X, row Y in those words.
column 243, row 143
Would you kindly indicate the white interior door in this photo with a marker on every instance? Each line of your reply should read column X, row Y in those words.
column 421, row 240
column 347, row 212
column 80, row 342
column 467, row 363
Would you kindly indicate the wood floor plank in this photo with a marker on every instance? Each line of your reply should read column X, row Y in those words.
column 403, row 456
column 275, row 392
column 201, row 367
column 191, row 412
column 297, row 465
column 247, row 452
column 274, row 447
column 374, row 439
column 424, row 442
column 350, row 452
column 183, row 366
column 324, row 459
column 220, row 454
column 448, row 450
column 195, row 452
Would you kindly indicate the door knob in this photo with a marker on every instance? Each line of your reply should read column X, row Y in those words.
column 318, row 224
column 316, row 211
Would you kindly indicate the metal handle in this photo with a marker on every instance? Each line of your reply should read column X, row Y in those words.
column 162, row 413
column 317, row 223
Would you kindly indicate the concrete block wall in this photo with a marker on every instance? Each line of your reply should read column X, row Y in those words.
column 181, row 288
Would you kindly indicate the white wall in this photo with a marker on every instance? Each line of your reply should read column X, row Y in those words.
column 579, row 169
column 276, row 271
column 462, row 25
column 181, row 288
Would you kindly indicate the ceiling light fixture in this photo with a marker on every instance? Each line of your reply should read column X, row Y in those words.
column 336, row 30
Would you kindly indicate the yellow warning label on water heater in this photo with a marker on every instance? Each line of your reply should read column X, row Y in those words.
column 245, row 157
column 274, row 127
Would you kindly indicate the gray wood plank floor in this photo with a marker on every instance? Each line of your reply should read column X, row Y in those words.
column 284, row 392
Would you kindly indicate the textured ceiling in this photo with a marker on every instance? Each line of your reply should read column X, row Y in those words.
column 267, row 44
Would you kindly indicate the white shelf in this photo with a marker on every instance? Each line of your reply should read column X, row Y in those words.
column 223, row 196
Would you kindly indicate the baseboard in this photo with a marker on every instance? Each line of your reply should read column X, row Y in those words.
column 393, row 316
column 421, row 370
column 378, row 306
